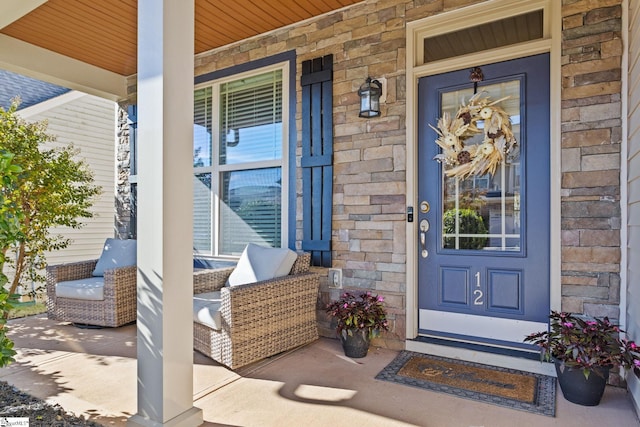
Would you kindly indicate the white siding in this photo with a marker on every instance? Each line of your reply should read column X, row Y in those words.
column 89, row 123
column 633, row 227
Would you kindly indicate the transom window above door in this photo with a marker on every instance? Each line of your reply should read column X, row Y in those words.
column 467, row 36
column 521, row 28
column 239, row 165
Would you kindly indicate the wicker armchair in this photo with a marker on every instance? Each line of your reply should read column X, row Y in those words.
column 117, row 308
column 259, row 319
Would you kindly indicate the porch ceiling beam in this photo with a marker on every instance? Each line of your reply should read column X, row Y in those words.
column 12, row 10
column 36, row 62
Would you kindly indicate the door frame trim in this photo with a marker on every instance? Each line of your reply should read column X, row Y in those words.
column 551, row 43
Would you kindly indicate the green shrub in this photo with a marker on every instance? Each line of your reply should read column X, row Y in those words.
column 469, row 223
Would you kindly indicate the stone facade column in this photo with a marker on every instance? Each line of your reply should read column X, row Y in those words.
column 591, row 139
column 123, row 166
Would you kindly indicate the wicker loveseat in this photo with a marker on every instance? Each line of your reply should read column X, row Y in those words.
column 93, row 293
column 260, row 319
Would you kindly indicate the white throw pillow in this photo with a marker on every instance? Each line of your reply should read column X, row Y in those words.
column 206, row 309
column 258, row 263
column 286, row 265
column 116, row 253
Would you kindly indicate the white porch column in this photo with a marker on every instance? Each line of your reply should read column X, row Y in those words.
column 165, row 265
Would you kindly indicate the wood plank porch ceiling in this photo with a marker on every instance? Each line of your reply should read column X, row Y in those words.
column 103, row 33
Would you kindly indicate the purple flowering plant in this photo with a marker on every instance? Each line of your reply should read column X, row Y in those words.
column 583, row 343
column 359, row 312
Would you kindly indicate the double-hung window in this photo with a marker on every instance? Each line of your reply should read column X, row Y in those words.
column 240, row 162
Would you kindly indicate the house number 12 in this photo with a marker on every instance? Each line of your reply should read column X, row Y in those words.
column 477, row 293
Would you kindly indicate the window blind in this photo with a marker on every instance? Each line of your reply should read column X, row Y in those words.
column 251, row 119
column 251, row 206
column 202, row 197
column 202, row 127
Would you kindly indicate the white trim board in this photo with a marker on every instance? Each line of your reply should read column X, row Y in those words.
column 491, row 328
column 36, row 62
column 50, row 104
column 12, row 10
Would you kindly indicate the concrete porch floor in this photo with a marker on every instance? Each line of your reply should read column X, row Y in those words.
column 93, row 372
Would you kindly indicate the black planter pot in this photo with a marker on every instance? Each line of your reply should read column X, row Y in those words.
column 580, row 390
column 355, row 345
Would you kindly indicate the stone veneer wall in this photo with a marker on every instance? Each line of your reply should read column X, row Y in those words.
column 123, row 189
column 369, row 236
column 591, row 138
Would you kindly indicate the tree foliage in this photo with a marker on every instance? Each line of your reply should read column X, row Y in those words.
column 10, row 213
column 10, row 216
column 51, row 189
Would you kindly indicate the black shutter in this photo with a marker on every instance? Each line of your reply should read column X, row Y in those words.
column 317, row 158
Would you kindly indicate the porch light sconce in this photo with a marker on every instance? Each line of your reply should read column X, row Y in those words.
column 370, row 93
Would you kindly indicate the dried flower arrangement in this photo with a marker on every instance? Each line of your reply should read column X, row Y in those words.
column 462, row 160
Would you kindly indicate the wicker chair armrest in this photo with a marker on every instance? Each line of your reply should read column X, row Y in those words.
column 118, row 280
column 302, row 264
column 210, row 280
column 246, row 306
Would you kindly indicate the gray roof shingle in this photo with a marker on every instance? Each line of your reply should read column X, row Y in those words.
column 31, row 91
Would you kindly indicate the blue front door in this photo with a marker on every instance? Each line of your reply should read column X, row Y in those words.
column 483, row 266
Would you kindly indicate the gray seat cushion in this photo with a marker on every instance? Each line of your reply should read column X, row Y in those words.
column 206, row 309
column 91, row 288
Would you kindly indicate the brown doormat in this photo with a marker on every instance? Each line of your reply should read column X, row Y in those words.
column 500, row 386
